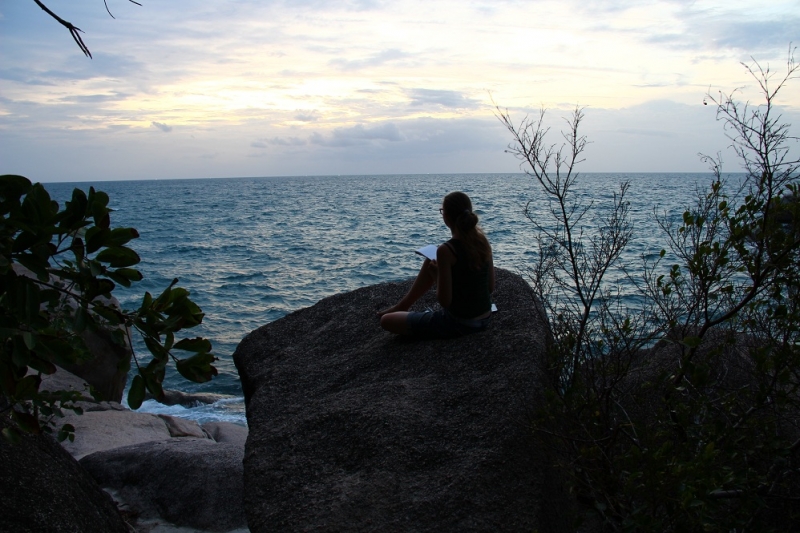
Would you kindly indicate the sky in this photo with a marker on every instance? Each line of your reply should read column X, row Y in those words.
column 233, row 88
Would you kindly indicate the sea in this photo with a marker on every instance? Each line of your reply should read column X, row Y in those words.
column 252, row 250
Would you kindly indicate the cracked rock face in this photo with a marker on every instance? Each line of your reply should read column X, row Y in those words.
column 354, row 429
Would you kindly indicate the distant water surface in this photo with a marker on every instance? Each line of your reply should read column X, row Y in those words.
column 252, row 250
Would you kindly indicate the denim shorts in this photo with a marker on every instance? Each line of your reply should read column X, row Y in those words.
column 442, row 324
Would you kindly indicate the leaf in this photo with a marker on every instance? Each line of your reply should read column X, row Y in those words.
column 35, row 264
column 136, row 392
column 97, row 238
column 74, row 214
column 197, row 344
column 197, row 368
column 155, row 347
column 12, row 188
column 113, row 315
column 118, row 256
column 121, row 236
column 67, row 431
column 124, row 276
column 97, row 287
column 98, row 202
column 165, row 297
column 78, row 249
column 27, row 387
column 26, row 422
column 152, row 380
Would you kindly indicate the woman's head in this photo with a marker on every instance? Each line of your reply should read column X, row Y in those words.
column 458, row 210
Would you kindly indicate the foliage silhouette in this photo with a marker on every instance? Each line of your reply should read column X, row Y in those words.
column 58, row 271
column 683, row 414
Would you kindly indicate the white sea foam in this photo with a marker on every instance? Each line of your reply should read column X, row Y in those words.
column 227, row 410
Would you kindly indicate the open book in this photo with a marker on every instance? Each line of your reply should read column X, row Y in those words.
column 430, row 252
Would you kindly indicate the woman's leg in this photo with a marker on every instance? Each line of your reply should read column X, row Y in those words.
column 425, row 280
column 395, row 322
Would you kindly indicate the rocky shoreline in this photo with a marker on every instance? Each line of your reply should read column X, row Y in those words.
column 351, row 429
column 162, row 473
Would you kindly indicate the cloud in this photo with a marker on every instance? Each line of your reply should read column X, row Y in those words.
column 287, row 141
column 162, row 127
column 444, row 98
column 23, row 76
column 307, row 116
column 751, row 36
column 381, row 58
column 93, row 98
column 720, row 29
column 358, row 134
column 257, row 144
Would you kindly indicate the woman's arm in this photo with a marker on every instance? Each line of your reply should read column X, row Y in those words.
column 491, row 276
column 445, row 260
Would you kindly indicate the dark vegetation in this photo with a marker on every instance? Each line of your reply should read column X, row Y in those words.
column 684, row 413
column 58, row 270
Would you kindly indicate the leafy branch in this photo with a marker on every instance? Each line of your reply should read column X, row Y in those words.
column 58, row 270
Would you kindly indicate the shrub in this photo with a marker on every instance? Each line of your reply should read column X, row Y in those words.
column 58, row 271
column 683, row 414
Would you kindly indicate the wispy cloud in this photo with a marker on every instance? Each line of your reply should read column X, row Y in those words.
column 375, row 60
column 358, row 134
column 307, row 116
column 162, row 127
column 439, row 97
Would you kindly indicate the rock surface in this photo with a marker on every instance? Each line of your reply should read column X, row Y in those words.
column 189, row 482
column 105, row 430
column 42, row 488
column 159, row 469
column 226, row 432
column 354, row 429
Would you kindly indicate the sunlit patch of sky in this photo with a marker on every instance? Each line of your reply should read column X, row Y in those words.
column 238, row 87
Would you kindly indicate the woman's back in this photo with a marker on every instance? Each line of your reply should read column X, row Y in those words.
column 471, row 292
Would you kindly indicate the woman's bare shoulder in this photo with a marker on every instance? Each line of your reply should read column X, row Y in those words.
column 445, row 253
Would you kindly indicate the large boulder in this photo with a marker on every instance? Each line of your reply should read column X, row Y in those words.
column 189, row 482
column 42, row 488
column 355, row 429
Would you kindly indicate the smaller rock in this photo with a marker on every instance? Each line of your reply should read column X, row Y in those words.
column 194, row 483
column 189, row 399
column 62, row 380
column 180, row 427
column 104, row 430
column 226, row 432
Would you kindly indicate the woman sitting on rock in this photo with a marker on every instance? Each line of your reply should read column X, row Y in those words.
column 464, row 276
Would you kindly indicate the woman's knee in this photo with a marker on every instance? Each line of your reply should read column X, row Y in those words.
column 394, row 322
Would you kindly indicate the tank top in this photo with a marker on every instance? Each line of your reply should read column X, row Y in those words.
column 470, row 293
